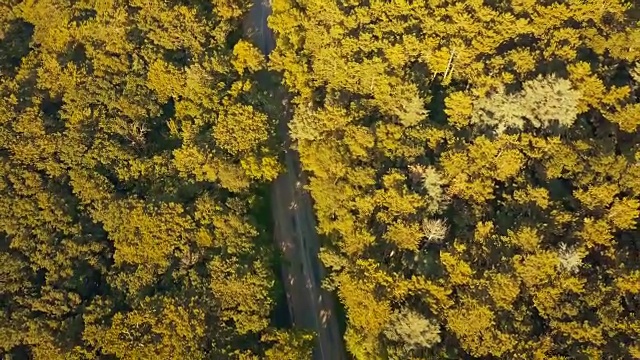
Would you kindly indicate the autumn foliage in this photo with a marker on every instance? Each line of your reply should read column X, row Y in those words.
column 475, row 167
column 134, row 140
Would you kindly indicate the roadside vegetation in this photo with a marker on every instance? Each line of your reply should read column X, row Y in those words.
column 475, row 167
column 134, row 146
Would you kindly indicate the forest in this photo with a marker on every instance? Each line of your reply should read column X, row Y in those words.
column 474, row 167
column 135, row 146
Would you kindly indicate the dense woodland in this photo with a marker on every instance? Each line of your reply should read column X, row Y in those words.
column 135, row 151
column 475, row 167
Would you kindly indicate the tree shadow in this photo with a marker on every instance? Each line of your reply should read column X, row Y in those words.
column 15, row 45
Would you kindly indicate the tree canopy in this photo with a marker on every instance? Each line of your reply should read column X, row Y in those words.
column 474, row 167
column 135, row 142
column 475, row 171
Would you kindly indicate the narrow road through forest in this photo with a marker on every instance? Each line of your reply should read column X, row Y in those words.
column 310, row 306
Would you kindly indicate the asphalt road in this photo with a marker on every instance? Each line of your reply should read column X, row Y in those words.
column 310, row 306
